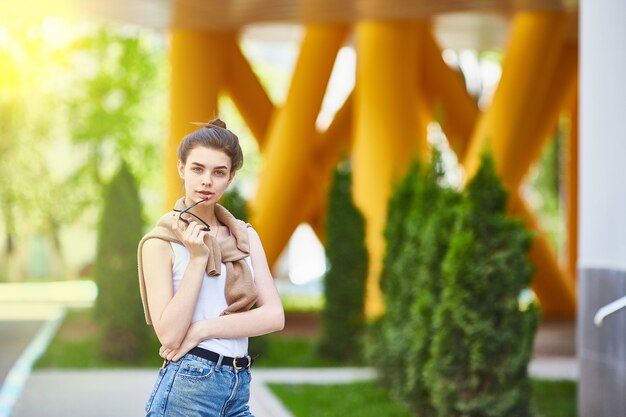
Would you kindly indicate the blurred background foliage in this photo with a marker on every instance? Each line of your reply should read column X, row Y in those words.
column 76, row 98
column 343, row 317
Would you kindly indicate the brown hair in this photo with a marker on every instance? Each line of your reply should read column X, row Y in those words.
column 214, row 135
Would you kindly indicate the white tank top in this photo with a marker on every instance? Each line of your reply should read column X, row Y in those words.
column 211, row 302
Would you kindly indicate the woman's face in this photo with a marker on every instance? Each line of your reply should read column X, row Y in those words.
column 206, row 174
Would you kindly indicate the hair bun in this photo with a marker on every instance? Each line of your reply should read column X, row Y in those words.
column 216, row 123
column 213, row 123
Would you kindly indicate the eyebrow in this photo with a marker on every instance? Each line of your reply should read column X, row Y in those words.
column 204, row 166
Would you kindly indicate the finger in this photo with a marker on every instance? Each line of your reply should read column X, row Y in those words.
column 199, row 237
column 192, row 230
column 177, row 356
column 171, row 355
column 199, row 234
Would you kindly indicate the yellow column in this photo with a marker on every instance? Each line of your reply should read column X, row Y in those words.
column 246, row 91
column 194, row 86
column 385, row 130
column 571, row 187
column 291, row 139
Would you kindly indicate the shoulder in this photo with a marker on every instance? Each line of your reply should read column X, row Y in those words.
column 256, row 247
column 156, row 246
column 250, row 230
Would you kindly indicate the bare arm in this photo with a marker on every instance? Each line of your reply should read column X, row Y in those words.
column 172, row 313
column 267, row 317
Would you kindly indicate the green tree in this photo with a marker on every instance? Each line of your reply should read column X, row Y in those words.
column 427, row 283
column 343, row 315
column 118, row 111
column 105, row 90
column 421, row 213
column 118, row 308
column 234, row 202
column 387, row 340
column 483, row 335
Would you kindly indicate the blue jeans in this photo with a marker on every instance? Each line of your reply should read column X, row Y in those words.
column 196, row 387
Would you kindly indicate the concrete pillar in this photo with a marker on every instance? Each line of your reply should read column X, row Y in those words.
column 602, row 245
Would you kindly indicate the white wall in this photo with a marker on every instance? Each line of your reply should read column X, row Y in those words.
column 602, row 241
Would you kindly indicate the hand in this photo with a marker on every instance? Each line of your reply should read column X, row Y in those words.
column 192, row 236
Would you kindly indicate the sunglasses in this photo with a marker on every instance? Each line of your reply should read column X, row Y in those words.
column 186, row 216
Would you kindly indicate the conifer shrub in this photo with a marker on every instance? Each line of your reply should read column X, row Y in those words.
column 435, row 240
column 421, row 213
column 342, row 319
column 387, row 342
column 234, row 202
column 482, row 334
column 124, row 333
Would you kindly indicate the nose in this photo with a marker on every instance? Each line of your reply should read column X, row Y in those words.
column 206, row 179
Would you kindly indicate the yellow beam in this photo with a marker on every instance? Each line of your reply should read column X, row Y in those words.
column 527, row 70
column 316, row 178
column 317, row 175
column 557, row 295
column 291, row 139
column 518, row 157
column 445, row 93
column 196, row 78
column 246, row 91
column 336, row 139
column 331, row 145
column 552, row 284
column 385, row 132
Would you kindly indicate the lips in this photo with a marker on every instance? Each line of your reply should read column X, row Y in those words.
column 205, row 194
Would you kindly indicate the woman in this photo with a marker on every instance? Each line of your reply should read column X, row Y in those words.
column 200, row 271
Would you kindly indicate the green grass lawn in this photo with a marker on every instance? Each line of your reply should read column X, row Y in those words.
column 362, row 399
column 554, row 398
column 369, row 399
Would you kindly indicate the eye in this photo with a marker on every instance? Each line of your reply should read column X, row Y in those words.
column 196, row 169
column 220, row 173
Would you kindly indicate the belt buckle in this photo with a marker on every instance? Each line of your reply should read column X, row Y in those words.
column 237, row 368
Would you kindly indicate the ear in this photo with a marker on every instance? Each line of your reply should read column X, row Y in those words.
column 181, row 169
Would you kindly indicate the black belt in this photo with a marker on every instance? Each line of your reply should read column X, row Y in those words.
column 238, row 362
